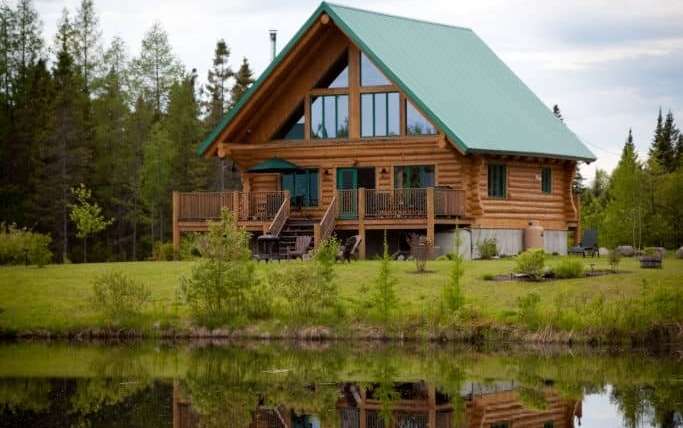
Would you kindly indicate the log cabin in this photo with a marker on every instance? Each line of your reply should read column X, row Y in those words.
column 367, row 122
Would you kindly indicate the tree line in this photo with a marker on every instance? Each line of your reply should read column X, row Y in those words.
column 76, row 111
column 641, row 202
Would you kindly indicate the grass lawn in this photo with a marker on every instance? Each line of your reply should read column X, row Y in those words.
column 56, row 298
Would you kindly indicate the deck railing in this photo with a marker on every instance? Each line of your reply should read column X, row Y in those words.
column 449, row 202
column 280, row 218
column 328, row 221
column 401, row 203
column 257, row 206
column 347, row 204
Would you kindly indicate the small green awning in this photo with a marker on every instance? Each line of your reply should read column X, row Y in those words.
column 273, row 165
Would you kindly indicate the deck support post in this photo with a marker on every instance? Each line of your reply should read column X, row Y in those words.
column 176, row 227
column 431, row 218
column 316, row 235
column 361, row 222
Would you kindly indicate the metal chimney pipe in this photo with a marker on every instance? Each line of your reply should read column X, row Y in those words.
column 273, row 43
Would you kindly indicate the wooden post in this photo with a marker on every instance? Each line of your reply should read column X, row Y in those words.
column 236, row 205
column 176, row 227
column 354, row 92
column 361, row 222
column 431, row 392
column 316, row 235
column 430, row 215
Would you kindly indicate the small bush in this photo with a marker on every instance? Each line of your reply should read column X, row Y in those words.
column 453, row 295
column 531, row 263
column 21, row 246
column 529, row 312
column 219, row 288
column 614, row 258
column 190, row 246
column 163, row 251
column 384, row 298
column 488, row 277
column 569, row 268
column 119, row 296
column 488, row 248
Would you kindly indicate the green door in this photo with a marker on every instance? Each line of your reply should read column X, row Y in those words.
column 347, row 182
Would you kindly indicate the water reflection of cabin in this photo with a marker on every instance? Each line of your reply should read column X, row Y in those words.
column 415, row 405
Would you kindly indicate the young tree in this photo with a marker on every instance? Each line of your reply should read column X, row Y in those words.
column 453, row 295
column 384, row 297
column 243, row 79
column 87, row 50
column 87, row 216
column 156, row 69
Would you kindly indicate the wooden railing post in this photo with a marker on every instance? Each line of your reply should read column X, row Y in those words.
column 236, row 205
column 176, row 226
column 430, row 214
column 361, row 222
column 316, row 235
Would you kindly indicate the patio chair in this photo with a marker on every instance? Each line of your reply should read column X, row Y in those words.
column 588, row 245
column 349, row 248
column 301, row 247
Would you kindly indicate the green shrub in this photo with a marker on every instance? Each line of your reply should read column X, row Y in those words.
column 488, row 248
column 220, row 285
column 569, row 268
column 528, row 311
column 163, row 251
column 190, row 246
column 488, row 277
column 309, row 287
column 614, row 258
column 531, row 263
column 119, row 296
column 21, row 246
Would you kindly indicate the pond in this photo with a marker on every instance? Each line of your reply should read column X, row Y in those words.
column 344, row 384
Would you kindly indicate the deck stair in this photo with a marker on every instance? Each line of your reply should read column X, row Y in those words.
column 292, row 229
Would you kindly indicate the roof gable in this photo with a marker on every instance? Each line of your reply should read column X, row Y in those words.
column 454, row 78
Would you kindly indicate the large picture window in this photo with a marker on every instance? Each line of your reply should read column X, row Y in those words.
column 302, row 186
column 497, row 181
column 413, row 176
column 416, row 123
column 370, row 74
column 330, row 116
column 380, row 115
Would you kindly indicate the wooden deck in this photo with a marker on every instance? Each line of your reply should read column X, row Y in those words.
column 358, row 209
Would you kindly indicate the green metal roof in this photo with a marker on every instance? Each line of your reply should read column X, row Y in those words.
column 273, row 165
column 454, row 78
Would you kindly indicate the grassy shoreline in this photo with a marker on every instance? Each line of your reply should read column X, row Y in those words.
column 54, row 302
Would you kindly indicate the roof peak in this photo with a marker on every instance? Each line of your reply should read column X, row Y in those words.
column 389, row 15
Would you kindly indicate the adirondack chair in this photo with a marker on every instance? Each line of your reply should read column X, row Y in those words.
column 300, row 248
column 349, row 248
column 588, row 245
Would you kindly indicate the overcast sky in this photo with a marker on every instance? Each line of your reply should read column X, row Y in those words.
column 609, row 64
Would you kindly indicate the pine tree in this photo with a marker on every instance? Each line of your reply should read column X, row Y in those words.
column 156, row 69
column 66, row 157
column 184, row 129
column 243, row 79
column 87, row 50
column 216, row 107
column 29, row 42
column 664, row 142
column 113, row 152
column 156, row 173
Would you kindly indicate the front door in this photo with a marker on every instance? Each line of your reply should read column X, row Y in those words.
column 347, row 183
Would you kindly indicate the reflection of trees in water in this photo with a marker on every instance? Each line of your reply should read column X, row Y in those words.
column 32, row 395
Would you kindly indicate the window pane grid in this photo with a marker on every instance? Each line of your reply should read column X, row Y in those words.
column 329, row 116
column 379, row 114
column 497, row 177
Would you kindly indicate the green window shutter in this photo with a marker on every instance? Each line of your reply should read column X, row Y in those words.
column 546, row 180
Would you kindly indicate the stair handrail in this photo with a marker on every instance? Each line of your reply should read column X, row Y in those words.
column 329, row 219
column 280, row 218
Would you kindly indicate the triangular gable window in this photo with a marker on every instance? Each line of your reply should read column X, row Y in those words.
column 370, row 75
column 338, row 75
column 293, row 129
